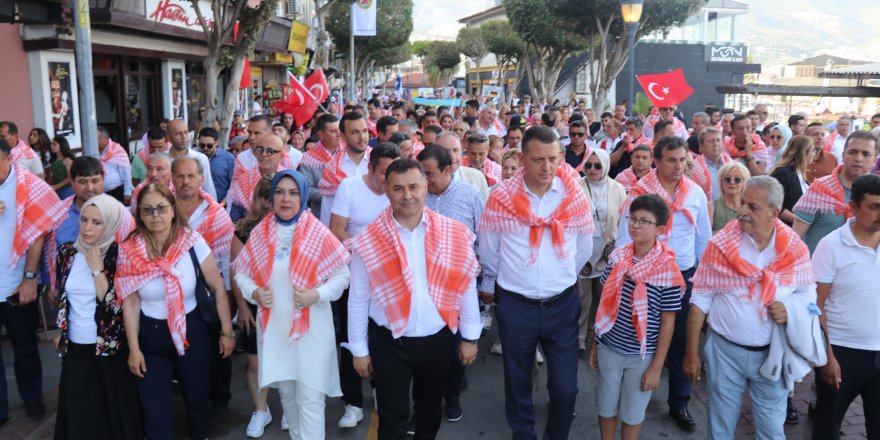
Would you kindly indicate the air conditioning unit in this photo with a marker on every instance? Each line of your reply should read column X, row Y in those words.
column 293, row 9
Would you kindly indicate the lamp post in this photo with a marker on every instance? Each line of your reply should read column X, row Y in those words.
column 631, row 10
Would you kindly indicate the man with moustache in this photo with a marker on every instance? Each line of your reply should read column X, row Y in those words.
column 269, row 157
column 351, row 160
column 477, row 157
column 156, row 141
column 710, row 160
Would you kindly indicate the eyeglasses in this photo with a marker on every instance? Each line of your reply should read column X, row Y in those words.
column 149, row 211
column 640, row 222
column 595, row 166
column 265, row 150
column 736, row 180
column 576, row 134
column 667, row 109
column 206, row 146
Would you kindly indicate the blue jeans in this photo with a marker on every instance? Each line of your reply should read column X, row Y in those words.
column 731, row 368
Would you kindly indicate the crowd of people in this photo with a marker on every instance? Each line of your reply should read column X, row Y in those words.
column 362, row 245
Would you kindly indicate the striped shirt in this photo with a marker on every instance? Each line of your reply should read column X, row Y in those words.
column 622, row 337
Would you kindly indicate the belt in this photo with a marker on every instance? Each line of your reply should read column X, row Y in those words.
column 547, row 302
column 744, row 347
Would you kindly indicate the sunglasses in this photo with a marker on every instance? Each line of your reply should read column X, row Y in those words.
column 736, row 180
column 667, row 109
column 595, row 166
column 149, row 211
column 206, row 146
column 575, row 134
column 266, row 151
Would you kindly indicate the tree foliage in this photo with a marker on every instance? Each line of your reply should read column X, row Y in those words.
column 442, row 58
column 470, row 43
column 503, row 42
column 420, row 48
column 600, row 22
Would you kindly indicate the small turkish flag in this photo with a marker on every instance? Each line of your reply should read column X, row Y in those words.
column 317, row 85
column 666, row 89
column 299, row 102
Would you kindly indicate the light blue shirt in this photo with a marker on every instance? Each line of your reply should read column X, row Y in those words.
column 69, row 228
column 11, row 271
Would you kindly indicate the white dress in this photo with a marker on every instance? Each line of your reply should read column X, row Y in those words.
column 312, row 359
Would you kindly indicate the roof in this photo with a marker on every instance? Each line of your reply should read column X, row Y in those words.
column 416, row 79
column 484, row 14
column 822, row 60
column 726, row 4
column 870, row 70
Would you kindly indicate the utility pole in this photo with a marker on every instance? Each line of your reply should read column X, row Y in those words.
column 352, row 87
column 87, row 117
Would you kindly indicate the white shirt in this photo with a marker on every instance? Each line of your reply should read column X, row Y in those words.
column 687, row 240
column 474, row 178
column 82, row 299
column 195, row 222
column 10, row 277
column 736, row 317
column 494, row 128
column 296, row 157
column 424, row 319
column 853, row 306
column 350, row 169
column 208, row 184
column 505, row 255
column 355, row 201
column 837, row 147
column 153, row 302
column 116, row 175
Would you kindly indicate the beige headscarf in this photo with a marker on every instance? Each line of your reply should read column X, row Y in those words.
column 111, row 213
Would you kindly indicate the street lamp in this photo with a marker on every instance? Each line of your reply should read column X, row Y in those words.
column 631, row 10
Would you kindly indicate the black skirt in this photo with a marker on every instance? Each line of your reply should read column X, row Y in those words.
column 97, row 398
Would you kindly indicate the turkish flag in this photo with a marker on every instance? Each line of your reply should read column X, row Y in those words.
column 245, row 82
column 299, row 102
column 317, row 85
column 666, row 89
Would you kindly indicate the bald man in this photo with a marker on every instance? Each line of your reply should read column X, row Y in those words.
column 178, row 135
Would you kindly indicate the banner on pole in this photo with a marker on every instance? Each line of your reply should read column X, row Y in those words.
column 299, row 35
column 363, row 18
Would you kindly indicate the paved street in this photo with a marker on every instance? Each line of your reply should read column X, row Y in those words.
column 483, row 405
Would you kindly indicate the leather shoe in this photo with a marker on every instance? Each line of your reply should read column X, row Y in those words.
column 35, row 410
column 683, row 419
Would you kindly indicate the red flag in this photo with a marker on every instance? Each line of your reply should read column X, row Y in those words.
column 245, row 82
column 299, row 102
column 317, row 85
column 666, row 89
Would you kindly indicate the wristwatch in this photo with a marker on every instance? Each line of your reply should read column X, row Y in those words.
column 470, row 341
column 96, row 273
column 30, row 275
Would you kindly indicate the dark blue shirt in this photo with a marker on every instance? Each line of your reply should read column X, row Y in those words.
column 222, row 165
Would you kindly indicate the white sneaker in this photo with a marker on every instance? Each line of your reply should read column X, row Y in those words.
column 284, row 425
column 539, row 357
column 496, row 347
column 259, row 421
column 353, row 415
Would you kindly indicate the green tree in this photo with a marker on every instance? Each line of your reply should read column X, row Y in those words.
column 470, row 43
column 503, row 42
column 548, row 43
column 600, row 22
column 322, row 54
column 443, row 57
column 393, row 28
column 218, row 29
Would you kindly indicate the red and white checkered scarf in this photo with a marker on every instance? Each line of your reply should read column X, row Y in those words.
column 490, row 169
column 115, row 154
column 134, row 269
column 702, row 176
column 761, row 152
column 631, row 145
column 246, row 175
column 627, row 178
column 825, row 195
column 656, row 268
column 417, row 147
column 37, row 208
column 333, row 174
column 50, row 247
column 450, row 262
column 144, row 153
column 508, row 210
column 315, row 255
column 650, row 184
column 217, row 228
column 828, row 142
column 22, row 151
column 316, row 157
column 722, row 270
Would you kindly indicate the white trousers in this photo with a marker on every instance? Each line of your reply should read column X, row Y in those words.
column 304, row 408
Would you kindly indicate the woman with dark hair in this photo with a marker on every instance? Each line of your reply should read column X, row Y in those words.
column 791, row 171
column 447, row 121
column 97, row 397
column 160, row 266
column 38, row 139
column 59, row 167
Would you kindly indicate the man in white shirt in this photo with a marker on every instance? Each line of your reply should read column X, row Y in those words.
column 489, row 123
column 117, row 168
column 836, row 141
column 358, row 201
column 21, row 152
column 414, row 286
column 351, row 161
column 530, row 262
column 752, row 271
column 178, row 134
column 295, row 155
column 687, row 235
column 846, row 265
column 475, row 178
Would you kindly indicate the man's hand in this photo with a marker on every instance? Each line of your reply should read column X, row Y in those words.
column 245, row 318
column 748, row 145
column 467, row 353
column 692, row 366
column 830, row 372
column 126, row 200
column 364, row 366
column 27, row 291
column 227, row 344
column 487, row 297
column 777, row 312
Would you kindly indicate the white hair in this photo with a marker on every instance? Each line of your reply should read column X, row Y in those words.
column 775, row 192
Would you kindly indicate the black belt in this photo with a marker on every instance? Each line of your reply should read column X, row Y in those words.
column 744, row 347
column 547, row 302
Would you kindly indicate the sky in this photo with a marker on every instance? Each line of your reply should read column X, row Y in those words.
column 438, row 20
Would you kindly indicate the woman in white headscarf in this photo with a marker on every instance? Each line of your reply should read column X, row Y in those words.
column 97, row 397
column 606, row 200
column 779, row 137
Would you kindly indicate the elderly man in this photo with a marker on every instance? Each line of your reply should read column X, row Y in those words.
column 846, row 267
column 28, row 209
column 350, row 161
column 536, row 233
column 156, row 141
column 699, row 122
column 746, row 146
column 117, row 167
column 688, row 231
column 763, row 113
column 477, row 157
column 706, row 165
column 178, row 134
column 834, row 142
column 489, row 123
column 665, row 114
column 21, row 152
column 158, row 172
column 825, row 206
column 413, row 287
column 250, row 165
column 752, row 271
column 411, row 129
column 475, row 178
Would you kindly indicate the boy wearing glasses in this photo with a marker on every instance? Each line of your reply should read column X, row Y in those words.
column 635, row 319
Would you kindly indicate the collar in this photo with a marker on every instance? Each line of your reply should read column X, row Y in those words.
column 555, row 186
column 716, row 163
column 423, row 223
column 847, row 237
column 751, row 242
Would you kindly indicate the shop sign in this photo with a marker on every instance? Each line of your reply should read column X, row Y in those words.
column 179, row 13
column 725, row 53
column 299, row 36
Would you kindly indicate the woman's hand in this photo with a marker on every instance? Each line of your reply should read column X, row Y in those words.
column 245, row 318
column 263, row 295
column 136, row 363
column 94, row 259
column 305, row 298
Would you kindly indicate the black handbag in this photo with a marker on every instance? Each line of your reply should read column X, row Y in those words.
column 205, row 298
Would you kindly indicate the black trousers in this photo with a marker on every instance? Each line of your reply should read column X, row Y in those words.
column 860, row 376
column 350, row 381
column 679, row 384
column 221, row 370
column 21, row 326
column 397, row 363
column 117, row 193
